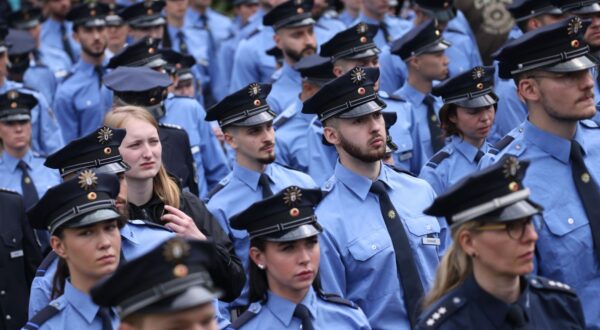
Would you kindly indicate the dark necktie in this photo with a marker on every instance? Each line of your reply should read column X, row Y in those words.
column 386, row 32
column 478, row 156
column 516, row 317
column 405, row 262
column 303, row 314
column 263, row 181
column 30, row 195
column 183, row 48
column 100, row 72
column 104, row 313
column 65, row 41
column 435, row 131
column 588, row 193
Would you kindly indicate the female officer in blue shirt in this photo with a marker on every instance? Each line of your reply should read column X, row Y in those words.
column 84, row 225
column 482, row 281
column 284, row 249
column 466, row 118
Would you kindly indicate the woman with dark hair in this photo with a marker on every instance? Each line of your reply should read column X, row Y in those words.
column 466, row 118
column 482, row 281
column 284, row 249
column 84, row 223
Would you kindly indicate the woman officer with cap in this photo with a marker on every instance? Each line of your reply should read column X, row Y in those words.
column 466, row 118
column 284, row 249
column 84, row 223
column 482, row 281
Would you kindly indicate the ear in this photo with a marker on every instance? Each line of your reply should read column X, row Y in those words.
column 277, row 39
column 419, row 16
column 58, row 246
column 465, row 239
column 75, row 36
column 528, row 90
column 338, row 71
column 533, row 23
column 452, row 117
column 414, row 62
column 230, row 139
column 331, row 135
column 257, row 256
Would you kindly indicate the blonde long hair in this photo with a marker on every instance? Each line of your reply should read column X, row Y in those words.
column 454, row 268
column 162, row 185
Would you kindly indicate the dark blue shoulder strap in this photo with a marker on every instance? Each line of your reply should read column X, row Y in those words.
column 243, row 319
column 41, row 271
column 41, row 317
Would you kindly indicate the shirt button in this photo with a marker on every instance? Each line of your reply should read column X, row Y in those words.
column 14, row 240
column 2, row 292
column 374, row 247
column 570, row 221
column 428, row 227
column 520, row 129
column 518, row 147
column 8, row 317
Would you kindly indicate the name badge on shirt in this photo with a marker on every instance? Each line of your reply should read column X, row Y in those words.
column 195, row 149
column 431, row 241
column 16, row 254
column 406, row 155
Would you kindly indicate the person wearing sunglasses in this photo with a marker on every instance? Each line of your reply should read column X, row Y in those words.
column 483, row 280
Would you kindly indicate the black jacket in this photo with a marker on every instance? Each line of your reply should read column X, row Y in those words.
column 19, row 258
column 233, row 276
column 177, row 156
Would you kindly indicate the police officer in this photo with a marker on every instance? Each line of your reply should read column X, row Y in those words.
column 376, row 12
column 144, row 19
column 188, row 267
column 81, row 216
column 466, row 119
column 201, row 17
column 81, row 101
column 46, row 133
column 293, row 25
column 291, row 125
column 117, row 31
column 563, row 174
column 247, row 124
column 284, row 237
column 20, row 257
column 22, row 169
column 180, row 68
column 423, row 50
column 374, row 229
column 483, row 279
column 29, row 19
column 56, row 29
column 23, row 67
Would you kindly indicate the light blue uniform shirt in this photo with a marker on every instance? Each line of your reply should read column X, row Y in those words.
column 396, row 28
column 52, row 37
column 278, row 313
column 11, row 176
column 76, row 311
column 251, row 63
column 290, row 136
column 564, row 250
column 346, row 18
column 327, row 27
column 42, row 79
column 321, row 157
column 56, row 59
column 285, row 90
column 459, row 161
column 218, row 24
column 137, row 238
column 239, row 190
column 357, row 257
column 424, row 149
column 46, row 134
column 81, row 103
column 209, row 157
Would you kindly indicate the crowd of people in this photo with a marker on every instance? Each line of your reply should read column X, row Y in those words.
column 299, row 164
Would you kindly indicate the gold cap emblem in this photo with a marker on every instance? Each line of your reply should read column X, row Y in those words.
column 105, row 135
column 575, row 24
column 511, row 167
column 254, row 89
column 12, row 94
column 358, row 75
column 176, row 249
column 478, row 73
column 87, row 180
column 362, row 28
column 292, row 195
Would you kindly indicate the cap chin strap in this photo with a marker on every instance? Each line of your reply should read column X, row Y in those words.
column 490, row 206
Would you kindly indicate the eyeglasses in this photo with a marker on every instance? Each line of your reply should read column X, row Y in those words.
column 569, row 78
column 514, row 229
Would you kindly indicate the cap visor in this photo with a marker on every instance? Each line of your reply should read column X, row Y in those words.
column 149, row 22
column 591, row 9
column 439, row 46
column 299, row 23
column 155, row 63
column 93, row 217
column 189, row 298
column 363, row 109
column 478, row 102
column 114, row 168
column 516, row 211
column 295, row 234
column 259, row 118
column 442, row 15
column 16, row 117
column 367, row 53
column 575, row 64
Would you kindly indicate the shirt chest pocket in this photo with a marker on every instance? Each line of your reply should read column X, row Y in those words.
column 88, row 101
column 571, row 236
column 366, row 247
column 11, row 240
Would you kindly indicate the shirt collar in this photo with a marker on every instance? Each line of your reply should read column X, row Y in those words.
column 12, row 162
column 468, row 150
column 494, row 309
column 127, row 234
column 81, row 302
column 364, row 18
column 358, row 184
column 248, row 176
column 556, row 146
column 410, row 94
column 283, row 309
column 288, row 71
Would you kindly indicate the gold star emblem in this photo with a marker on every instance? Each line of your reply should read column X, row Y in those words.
column 254, row 89
column 292, row 195
column 12, row 94
column 478, row 73
column 105, row 135
column 176, row 249
column 362, row 28
column 358, row 75
column 511, row 167
column 87, row 180
column 575, row 24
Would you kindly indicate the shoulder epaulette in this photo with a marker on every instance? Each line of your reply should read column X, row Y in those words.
column 336, row 299
column 400, row 170
column 500, row 145
column 387, row 95
column 590, row 123
column 248, row 315
column 542, row 283
column 170, row 126
column 253, row 33
column 437, row 159
column 450, row 29
column 436, row 316
column 287, row 167
column 41, row 317
column 140, row 222
column 10, row 191
column 327, row 186
column 68, row 75
column 215, row 190
column 37, row 154
column 41, row 271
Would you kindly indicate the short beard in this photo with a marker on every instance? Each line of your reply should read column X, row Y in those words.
column 91, row 53
column 354, row 151
column 565, row 117
column 267, row 160
column 297, row 56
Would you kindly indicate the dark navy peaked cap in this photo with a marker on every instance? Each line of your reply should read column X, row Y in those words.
column 147, row 13
column 522, row 10
column 292, row 13
column 246, row 107
column 88, row 14
column 470, row 89
column 15, row 106
column 352, row 43
column 144, row 52
column 441, row 10
column 422, row 39
column 315, row 69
